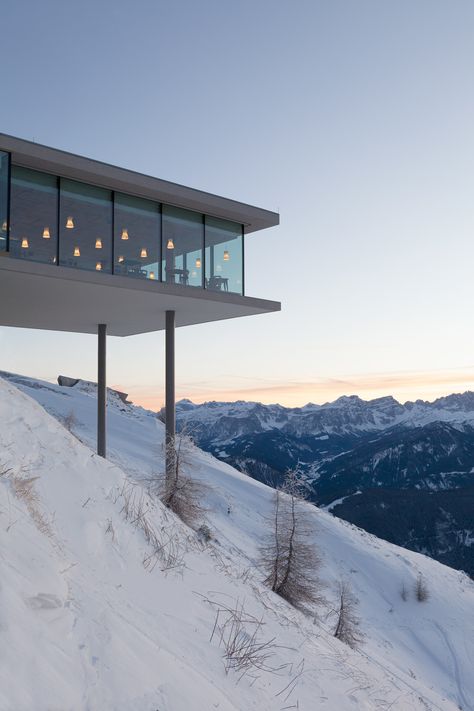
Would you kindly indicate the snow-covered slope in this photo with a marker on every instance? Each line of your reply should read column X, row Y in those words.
column 92, row 617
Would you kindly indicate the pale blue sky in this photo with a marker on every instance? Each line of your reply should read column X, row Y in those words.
column 353, row 118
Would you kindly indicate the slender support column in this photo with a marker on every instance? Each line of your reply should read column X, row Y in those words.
column 101, row 390
column 170, row 408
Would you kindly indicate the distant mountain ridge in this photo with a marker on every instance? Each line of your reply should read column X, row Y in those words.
column 346, row 415
column 356, row 456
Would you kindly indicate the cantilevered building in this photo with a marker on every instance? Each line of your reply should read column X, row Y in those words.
column 92, row 248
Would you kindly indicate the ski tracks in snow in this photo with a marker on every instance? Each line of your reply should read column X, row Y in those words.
column 464, row 703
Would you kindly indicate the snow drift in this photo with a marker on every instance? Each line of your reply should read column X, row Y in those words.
column 108, row 602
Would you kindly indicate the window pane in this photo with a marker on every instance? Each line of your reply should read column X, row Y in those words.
column 137, row 237
column 224, row 255
column 4, row 160
column 183, row 238
column 34, row 215
column 85, row 226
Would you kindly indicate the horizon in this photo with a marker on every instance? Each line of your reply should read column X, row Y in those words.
column 148, row 403
column 407, row 387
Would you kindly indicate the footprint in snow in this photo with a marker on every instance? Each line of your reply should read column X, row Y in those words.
column 44, row 601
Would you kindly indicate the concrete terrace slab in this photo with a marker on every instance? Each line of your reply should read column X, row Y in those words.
column 56, row 298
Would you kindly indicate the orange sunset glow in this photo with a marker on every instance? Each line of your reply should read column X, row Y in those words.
column 403, row 386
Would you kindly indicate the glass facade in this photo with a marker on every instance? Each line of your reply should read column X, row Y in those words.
column 224, row 255
column 73, row 224
column 182, row 247
column 34, row 215
column 137, row 227
column 4, row 176
column 85, row 226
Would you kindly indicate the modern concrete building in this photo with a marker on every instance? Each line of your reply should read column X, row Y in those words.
column 92, row 248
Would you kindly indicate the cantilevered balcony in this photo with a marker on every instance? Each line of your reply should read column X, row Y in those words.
column 92, row 248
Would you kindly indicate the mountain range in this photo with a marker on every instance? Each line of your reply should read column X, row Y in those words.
column 404, row 472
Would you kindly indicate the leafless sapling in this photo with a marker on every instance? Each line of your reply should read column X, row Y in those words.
column 421, row 589
column 347, row 623
column 180, row 492
column 290, row 558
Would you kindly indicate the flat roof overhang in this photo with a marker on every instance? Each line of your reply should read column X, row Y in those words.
column 44, row 296
column 68, row 165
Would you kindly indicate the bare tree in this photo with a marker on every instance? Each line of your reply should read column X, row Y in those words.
column 179, row 492
column 347, row 625
column 289, row 558
column 421, row 589
column 404, row 592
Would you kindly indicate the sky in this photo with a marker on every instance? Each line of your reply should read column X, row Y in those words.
column 352, row 119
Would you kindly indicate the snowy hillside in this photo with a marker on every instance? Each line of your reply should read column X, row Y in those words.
column 107, row 602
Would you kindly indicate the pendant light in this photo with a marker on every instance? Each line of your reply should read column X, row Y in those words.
column 46, row 233
column 77, row 252
column 70, row 223
column 24, row 243
column 4, row 226
column 152, row 275
column 98, row 243
column 98, row 266
column 226, row 255
column 170, row 244
column 143, row 253
column 124, row 233
column 198, row 263
column 121, row 259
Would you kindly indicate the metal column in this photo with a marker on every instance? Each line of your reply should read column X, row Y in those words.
column 170, row 407
column 101, row 390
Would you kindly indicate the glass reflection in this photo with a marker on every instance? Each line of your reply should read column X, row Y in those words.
column 85, row 224
column 224, row 255
column 4, row 168
column 137, row 237
column 182, row 247
column 34, row 215
column 150, row 241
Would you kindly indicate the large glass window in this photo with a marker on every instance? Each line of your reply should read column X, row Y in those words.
column 224, row 255
column 33, row 215
column 182, row 247
column 4, row 170
column 85, row 226
column 137, row 237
